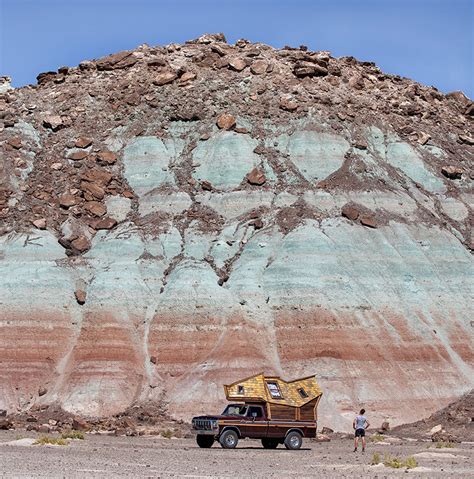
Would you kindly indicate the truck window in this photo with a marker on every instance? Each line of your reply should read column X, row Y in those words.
column 235, row 410
column 255, row 411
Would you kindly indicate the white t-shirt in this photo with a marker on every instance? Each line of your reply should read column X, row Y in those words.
column 360, row 422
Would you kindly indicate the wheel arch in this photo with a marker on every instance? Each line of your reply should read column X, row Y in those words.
column 231, row 428
column 295, row 429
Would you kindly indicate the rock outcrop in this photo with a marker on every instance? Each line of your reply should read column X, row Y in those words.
column 172, row 218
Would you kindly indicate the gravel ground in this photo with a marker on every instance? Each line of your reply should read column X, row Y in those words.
column 106, row 456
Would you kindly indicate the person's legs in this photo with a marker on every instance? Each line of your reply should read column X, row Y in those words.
column 356, row 443
column 363, row 443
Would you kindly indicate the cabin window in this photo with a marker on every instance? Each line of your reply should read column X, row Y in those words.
column 303, row 393
column 274, row 390
column 240, row 389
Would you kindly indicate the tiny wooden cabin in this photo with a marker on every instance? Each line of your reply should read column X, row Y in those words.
column 285, row 400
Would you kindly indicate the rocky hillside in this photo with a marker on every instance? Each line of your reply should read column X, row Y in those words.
column 177, row 217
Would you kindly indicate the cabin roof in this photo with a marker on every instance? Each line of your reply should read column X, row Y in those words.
column 274, row 389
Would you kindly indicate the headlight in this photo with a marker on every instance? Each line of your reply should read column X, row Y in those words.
column 215, row 424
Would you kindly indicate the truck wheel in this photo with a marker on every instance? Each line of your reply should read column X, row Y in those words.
column 270, row 443
column 204, row 441
column 293, row 440
column 229, row 439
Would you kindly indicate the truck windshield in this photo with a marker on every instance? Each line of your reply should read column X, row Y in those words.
column 235, row 410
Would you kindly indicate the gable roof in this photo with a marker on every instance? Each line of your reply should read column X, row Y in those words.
column 256, row 388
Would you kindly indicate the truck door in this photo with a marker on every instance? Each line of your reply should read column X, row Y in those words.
column 255, row 423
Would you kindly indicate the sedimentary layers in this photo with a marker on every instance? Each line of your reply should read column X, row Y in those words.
column 177, row 217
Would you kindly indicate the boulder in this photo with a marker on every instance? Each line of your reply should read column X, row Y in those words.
column 116, row 61
column 308, row 69
column 385, row 426
column 436, row 429
column 259, row 67
column 80, row 296
column 256, row 177
column 225, row 121
column 368, row 221
column 322, row 438
column 237, row 64
column 5, row 424
column 42, row 391
column 206, row 185
column 452, row 172
column 80, row 425
column 423, row 138
column 44, row 428
column 356, row 82
column 350, row 212
column 3, row 412
column 165, row 77
column 327, row 430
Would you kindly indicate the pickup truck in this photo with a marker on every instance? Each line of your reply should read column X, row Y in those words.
column 250, row 420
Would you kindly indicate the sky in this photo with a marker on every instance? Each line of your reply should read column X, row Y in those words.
column 430, row 41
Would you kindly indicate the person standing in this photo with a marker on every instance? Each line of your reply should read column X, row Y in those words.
column 360, row 424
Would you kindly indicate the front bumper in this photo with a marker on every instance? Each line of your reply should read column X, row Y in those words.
column 204, row 432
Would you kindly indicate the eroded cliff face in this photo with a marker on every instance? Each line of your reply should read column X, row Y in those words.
column 174, row 218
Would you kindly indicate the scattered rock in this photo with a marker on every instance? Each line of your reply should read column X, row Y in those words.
column 468, row 140
column 356, row 82
column 80, row 424
column 308, row 69
column 15, row 142
column 67, row 200
column 106, row 157
column 116, row 61
column 256, row 177
column 78, row 155
column 42, row 391
column 327, row 430
column 5, row 424
column 81, row 244
column 385, row 426
column 106, row 223
column 40, row 223
column 257, row 224
column 54, row 122
column 443, row 436
column 225, row 121
column 95, row 208
column 81, row 296
column 423, row 138
column 322, row 438
column 451, row 172
column 93, row 189
column 206, row 185
column 288, row 104
column 44, row 428
column 368, row 221
column 436, row 429
column 56, row 166
column 83, row 142
column 3, row 412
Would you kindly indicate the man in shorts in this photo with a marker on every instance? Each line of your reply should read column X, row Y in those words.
column 360, row 424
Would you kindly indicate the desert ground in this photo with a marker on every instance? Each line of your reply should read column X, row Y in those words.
column 100, row 456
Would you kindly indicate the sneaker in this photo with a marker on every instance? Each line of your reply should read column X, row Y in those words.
column 363, row 450
column 355, row 449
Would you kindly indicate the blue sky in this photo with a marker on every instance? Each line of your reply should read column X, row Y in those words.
column 430, row 41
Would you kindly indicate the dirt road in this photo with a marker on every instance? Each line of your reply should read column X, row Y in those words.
column 105, row 456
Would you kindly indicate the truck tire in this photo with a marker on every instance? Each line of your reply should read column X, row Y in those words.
column 229, row 439
column 270, row 443
column 293, row 440
column 204, row 441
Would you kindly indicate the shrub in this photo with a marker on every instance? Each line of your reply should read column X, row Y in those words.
column 376, row 437
column 375, row 459
column 72, row 435
column 168, row 433
column 55, row 441
column 398, row 463
column 441, row 444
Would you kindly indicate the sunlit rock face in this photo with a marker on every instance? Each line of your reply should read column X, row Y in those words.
column 148, row 254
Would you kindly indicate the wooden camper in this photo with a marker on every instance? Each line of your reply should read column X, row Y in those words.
column 285, row 400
